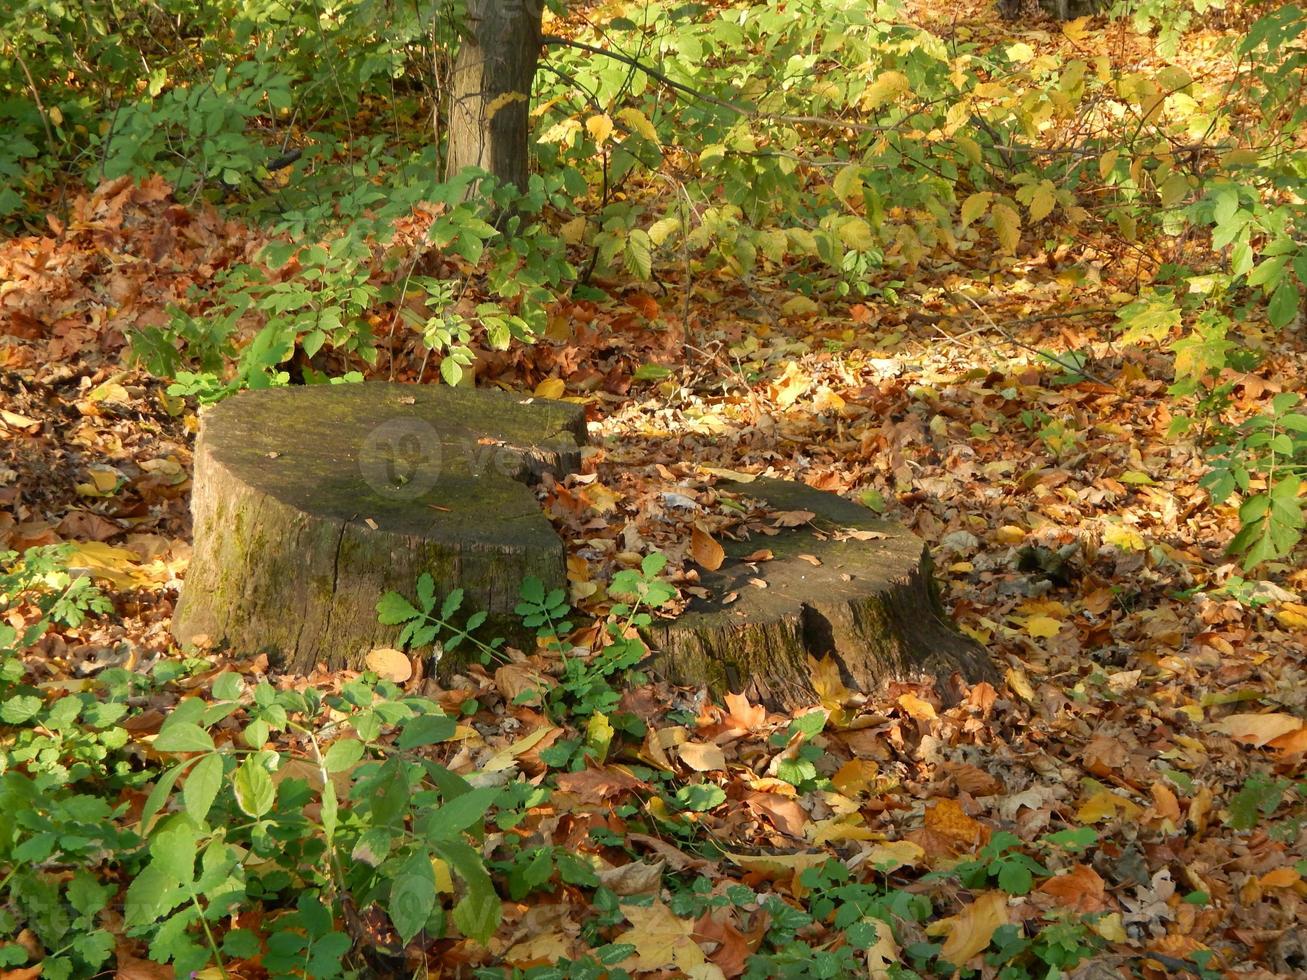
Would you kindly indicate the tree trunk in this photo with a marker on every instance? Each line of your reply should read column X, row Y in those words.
column 310, row 503
column 491, row 100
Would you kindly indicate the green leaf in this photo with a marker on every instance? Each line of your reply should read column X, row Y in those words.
column 477, row 915
column 20, row 709
column 412, row 897
column 426, row 730
column 173, row 850
column 159, row 795
column 342, row 754
column 639, row 254
column 254, row 788
column 460, row 813
column 1284, row 304
column 700, row 797
column 183, row 736
column 393, row 609
column 201, row 787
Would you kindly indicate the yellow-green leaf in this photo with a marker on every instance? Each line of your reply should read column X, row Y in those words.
column 974, row 206
column 635, row 120
column 885, row 88
column 1173, row 189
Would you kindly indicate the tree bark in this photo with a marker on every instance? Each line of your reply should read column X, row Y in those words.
column 491, row 82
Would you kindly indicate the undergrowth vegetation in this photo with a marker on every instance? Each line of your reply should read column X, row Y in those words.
column 839, row 142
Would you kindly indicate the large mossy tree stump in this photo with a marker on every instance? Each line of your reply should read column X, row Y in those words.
column 867, row 599
column 310, row 503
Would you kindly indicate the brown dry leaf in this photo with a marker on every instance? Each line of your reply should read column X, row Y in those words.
column 791, row 518
column 810, row 559
column 598, row 784
column 389, row 663
column 970, row 930
column 762, row 554
column 705, row 550
column 1257, row 730
column 977, row 782
column 1080, row 889
column 784, row 813
column 634, row 877
column 859, row 534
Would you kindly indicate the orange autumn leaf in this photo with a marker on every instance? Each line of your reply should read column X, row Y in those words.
column 1080, row 889
column 705, row 550
column 971, row 930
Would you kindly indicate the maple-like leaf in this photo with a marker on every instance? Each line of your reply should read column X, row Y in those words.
column 971, row 930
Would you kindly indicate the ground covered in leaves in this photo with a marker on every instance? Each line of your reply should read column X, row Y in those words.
column 1133, row 780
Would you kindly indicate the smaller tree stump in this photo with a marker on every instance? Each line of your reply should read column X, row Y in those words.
column 310, row 503
column 870, row 604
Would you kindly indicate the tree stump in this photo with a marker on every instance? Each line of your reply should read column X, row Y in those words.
column 310, row 503
column 870, row 604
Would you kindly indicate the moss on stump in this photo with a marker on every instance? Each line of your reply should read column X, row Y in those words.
column 871, row 604
column 310, row 503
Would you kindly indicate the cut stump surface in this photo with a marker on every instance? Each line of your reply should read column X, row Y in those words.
column 870, row 604
column 310, row 503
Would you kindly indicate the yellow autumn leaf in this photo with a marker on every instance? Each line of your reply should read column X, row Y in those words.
column 1107, row 163
column 702, row 756
column 1043, row 627
column 894, row 854
column 778, row 863
column 971, row 930
column 636, row 121
column 791, row 385
column 1104, row 804
column 1258, row 729
column 599, row 127
column 573, row 231
column 851, row 827
column 1110, row 927
column 975, row 206
column 916, row 707
column 1017, row 680
column 884, row 952
column 505, row 756
column 969, row 147
column 1042, row 201
column 1293, row 616
column 661, row 940
column 1007, row 225
column 550, row 388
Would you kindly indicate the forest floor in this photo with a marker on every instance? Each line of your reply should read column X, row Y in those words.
column 1149, row 693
